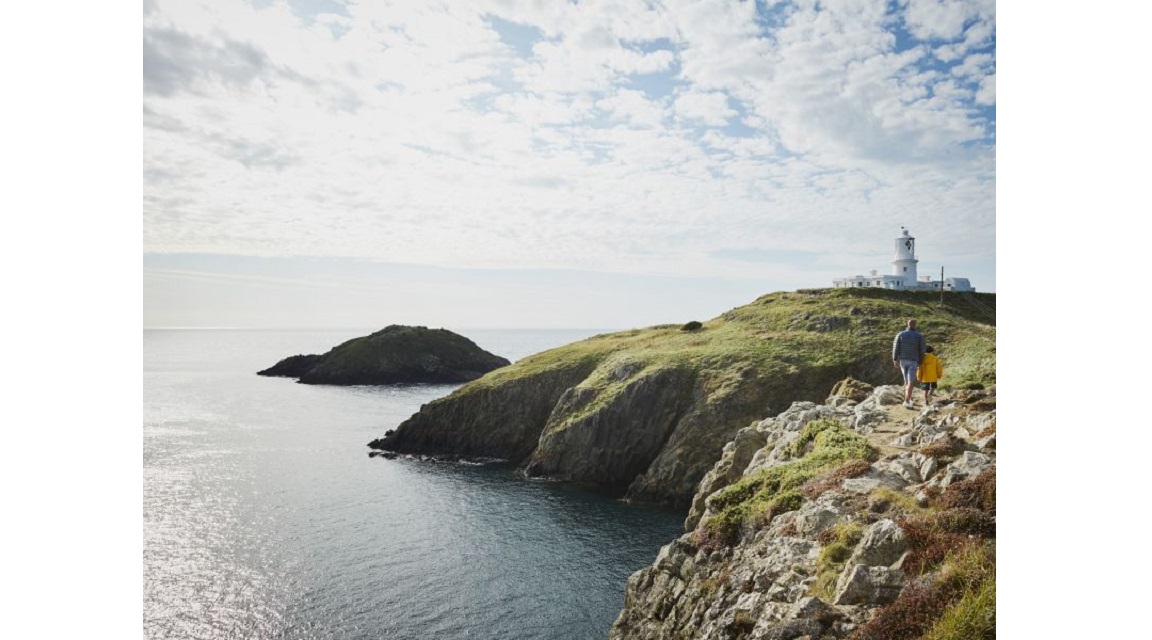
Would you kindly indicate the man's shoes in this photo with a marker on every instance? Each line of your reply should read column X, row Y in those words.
column 909, row 405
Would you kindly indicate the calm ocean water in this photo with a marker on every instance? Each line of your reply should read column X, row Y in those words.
column 264, row 517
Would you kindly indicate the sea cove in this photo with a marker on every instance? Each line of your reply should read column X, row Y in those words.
column 265, row 517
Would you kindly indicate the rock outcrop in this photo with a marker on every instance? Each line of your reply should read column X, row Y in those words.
column 833, row 521
column 647, row 412
column 394, row 355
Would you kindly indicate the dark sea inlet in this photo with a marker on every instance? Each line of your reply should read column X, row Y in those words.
column 264, row 517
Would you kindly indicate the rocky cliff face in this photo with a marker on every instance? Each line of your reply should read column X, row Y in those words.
column 648, row 411
column 856, row 518
column 394, row 355
column 648, row 430
column 501, row 421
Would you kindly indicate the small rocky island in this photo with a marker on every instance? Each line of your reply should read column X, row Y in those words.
column 396, row 354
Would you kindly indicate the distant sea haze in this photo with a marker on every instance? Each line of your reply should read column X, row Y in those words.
column 264, row 517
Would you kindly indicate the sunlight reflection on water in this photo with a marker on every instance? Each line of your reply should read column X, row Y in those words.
column 265, row 518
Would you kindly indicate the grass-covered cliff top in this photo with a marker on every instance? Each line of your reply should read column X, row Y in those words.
column 395, row 354
column 400, row 345
column 781, row 334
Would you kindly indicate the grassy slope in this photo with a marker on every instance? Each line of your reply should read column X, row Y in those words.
column 785, row 333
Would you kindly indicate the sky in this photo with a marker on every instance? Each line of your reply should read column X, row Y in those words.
column 603, row 164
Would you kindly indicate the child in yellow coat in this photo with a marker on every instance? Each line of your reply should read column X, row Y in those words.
column 929, row 372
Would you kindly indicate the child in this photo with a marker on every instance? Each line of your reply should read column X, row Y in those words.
column 929, row 372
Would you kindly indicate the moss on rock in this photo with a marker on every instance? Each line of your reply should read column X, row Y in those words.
column 752, row 502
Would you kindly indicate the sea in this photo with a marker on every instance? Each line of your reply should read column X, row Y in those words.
column 264, row 516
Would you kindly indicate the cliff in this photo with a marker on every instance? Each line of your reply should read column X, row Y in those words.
column 396, row 354
column 856, row 519
column 647, row 412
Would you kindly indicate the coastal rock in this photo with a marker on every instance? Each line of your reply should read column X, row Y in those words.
column 852, row 389
column 646, row 413
column 292, row 366
column 882, row 545
column 592, row 438
column 863, row 584
column 503, row 421
column 735, row 458
column 968, row 465
column 394, row 355
column 827, row 568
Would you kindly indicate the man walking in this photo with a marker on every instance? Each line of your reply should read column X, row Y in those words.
column 907, row 351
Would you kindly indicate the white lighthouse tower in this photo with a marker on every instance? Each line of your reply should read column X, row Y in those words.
column 904, row 264
column 903, row 276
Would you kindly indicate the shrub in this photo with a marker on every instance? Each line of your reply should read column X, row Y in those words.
column 945, row 448
column 691, row 326
column 830, row 443
column 935, row 536
column 973, row 617
column 974, row 493
column 933, row 602
column 820, row 485
column 722, row 530
column 915, row 609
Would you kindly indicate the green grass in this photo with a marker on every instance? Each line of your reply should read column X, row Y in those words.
column 898, row 502
column 823, row 445
column 839, row 540
column 960, row 604
column 780, row 335
column 970, row 359
column 956, row 543
column 973, row 617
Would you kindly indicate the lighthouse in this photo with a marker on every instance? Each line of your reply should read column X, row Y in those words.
column 904, row 264
column 903, row 276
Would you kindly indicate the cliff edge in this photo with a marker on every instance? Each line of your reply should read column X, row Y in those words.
column 647, row 412
column 851, row 520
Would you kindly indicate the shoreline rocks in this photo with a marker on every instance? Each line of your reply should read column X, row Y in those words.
column 863, row 544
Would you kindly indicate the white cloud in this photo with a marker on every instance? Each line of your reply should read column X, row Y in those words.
column 632, row 106
column 945, row 19
column 986, row 95
column 710, row 108
column 412, row 132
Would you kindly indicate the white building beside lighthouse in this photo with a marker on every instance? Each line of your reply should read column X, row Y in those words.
column 903, row 276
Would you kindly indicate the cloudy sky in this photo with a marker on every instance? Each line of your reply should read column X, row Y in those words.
column 554, row 164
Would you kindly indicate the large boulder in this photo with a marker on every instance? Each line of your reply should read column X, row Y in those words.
column 396, row 354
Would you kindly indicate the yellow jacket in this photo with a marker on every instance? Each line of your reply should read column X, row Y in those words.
column 930, row 369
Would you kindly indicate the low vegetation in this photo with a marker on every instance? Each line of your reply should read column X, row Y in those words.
column 752, row 502
column 824, row 483
column 838, row 541
column 833, row 333
column 951, row 594
column 958, row 602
